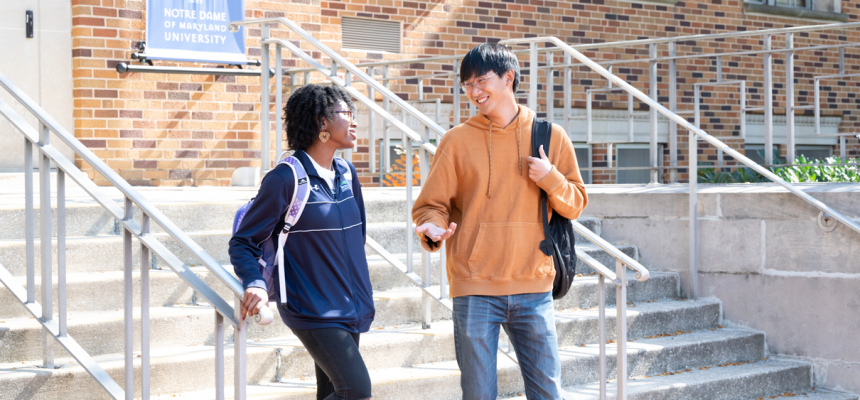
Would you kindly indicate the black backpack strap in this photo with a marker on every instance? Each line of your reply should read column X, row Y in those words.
column 541, row 133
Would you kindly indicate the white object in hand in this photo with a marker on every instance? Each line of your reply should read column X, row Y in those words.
column 264, row 316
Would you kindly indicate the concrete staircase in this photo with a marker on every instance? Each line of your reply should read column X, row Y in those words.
column 678, row 349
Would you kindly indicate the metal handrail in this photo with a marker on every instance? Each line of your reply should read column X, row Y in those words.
column 690, row 127
column 128, row 191
column 642, row 273
column 131, row 228
column 365, row 100
column 341, row 61
column 638, row 42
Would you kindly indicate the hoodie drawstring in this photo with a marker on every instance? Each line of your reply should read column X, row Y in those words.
column 490, row 183
column 519, row 152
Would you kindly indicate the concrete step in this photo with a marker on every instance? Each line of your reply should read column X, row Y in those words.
column 191, row 209
column 102, row 332
column 105, row 253
column 383, row 275
column 392, row 235
column 440, row 380
column 167, row 289
column 766, row 378
column 406, row 354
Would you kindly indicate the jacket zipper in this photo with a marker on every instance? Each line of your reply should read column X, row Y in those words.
column 346, row 258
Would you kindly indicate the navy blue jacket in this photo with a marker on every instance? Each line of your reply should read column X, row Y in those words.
column 327, row 280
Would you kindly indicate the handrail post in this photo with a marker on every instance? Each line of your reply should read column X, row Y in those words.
column 61, row 253
column 30, row 221
column 219, row 356
column 240, row 368
column 386, row 127
column 145, row 265
column 128, row 303
column 45, row 244
column 673, row 105
column 455, row 90
column 407, row 154
column 426, row 300
column 652, row 74
column 279, row 103
column 371, row 131
column 789, row 99
column 621, row 327
column 567, row 90
column 550, row 97
column 588, row 122
column 601, row 324
column 768, row 102
column 693, row 212
column 533, row 76
column 264, row 103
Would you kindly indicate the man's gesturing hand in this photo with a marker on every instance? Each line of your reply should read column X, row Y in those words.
column 436, row 233
column 539, row 167
column 254, row 299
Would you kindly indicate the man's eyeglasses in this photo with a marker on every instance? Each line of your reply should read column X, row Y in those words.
column 479, row 83
column 349, row 114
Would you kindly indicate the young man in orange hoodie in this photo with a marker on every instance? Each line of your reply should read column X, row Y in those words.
column 482, row 195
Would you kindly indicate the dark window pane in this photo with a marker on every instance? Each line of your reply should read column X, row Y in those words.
column 633, row 158
column 582, row 162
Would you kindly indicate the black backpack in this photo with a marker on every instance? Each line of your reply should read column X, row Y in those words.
column 558, row 233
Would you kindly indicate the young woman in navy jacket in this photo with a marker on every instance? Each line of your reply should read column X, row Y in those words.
column 329, row 296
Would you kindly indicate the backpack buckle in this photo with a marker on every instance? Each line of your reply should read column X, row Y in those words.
column 287, row 227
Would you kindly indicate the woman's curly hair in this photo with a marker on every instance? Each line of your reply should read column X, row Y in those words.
column 306, row 107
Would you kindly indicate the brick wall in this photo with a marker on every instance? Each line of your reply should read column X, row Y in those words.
column 195, row 130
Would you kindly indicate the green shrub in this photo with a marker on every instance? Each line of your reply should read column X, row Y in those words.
column 836, row 172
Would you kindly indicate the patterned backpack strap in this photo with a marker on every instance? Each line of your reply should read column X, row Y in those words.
column 297, row 205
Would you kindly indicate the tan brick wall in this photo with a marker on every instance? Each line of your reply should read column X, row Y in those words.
column 195, row 130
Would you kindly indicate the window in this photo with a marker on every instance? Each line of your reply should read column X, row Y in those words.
column 371, row 34
column 814, row 152
column 583, row 160
column 783, row 3
column 756, row 153
column 633, row 155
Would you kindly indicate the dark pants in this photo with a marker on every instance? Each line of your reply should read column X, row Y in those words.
column 341, row 373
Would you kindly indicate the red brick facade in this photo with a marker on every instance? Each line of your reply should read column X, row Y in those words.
column 195, row 130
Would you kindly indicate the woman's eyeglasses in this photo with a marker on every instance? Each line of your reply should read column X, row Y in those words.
column 479, row 83
column 349, row 114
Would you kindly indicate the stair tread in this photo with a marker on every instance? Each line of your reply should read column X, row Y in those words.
column 390, row 376
column 696, row 377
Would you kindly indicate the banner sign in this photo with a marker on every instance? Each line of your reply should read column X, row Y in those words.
column 195, row 30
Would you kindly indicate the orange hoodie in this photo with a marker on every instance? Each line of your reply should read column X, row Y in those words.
column 480, row 181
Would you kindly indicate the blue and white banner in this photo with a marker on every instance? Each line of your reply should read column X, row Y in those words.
column 195, row 30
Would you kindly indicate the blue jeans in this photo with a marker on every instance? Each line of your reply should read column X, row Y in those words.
column 528, row 321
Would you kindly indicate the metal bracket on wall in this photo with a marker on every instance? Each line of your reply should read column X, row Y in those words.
column 826, row 222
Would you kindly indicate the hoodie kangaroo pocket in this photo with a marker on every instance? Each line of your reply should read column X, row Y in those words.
column 508, row 250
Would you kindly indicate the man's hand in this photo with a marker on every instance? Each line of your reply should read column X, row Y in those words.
column 254, row 299
column 436, row 233
column 539, row 167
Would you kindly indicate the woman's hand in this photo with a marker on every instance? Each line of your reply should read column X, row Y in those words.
column 254, row 299
column 539, row 167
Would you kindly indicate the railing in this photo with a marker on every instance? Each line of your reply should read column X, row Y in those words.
column 439, row 292
column 56, row 329
column 652, row 61
column 695, row 133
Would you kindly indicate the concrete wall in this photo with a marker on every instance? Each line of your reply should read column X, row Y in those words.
column 41, row 67
column 761, row 252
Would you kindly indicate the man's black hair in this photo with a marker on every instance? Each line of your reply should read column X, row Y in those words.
column 305, row 109
column 487, row 57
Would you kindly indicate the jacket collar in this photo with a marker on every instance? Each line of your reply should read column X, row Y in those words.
column 305, row 159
